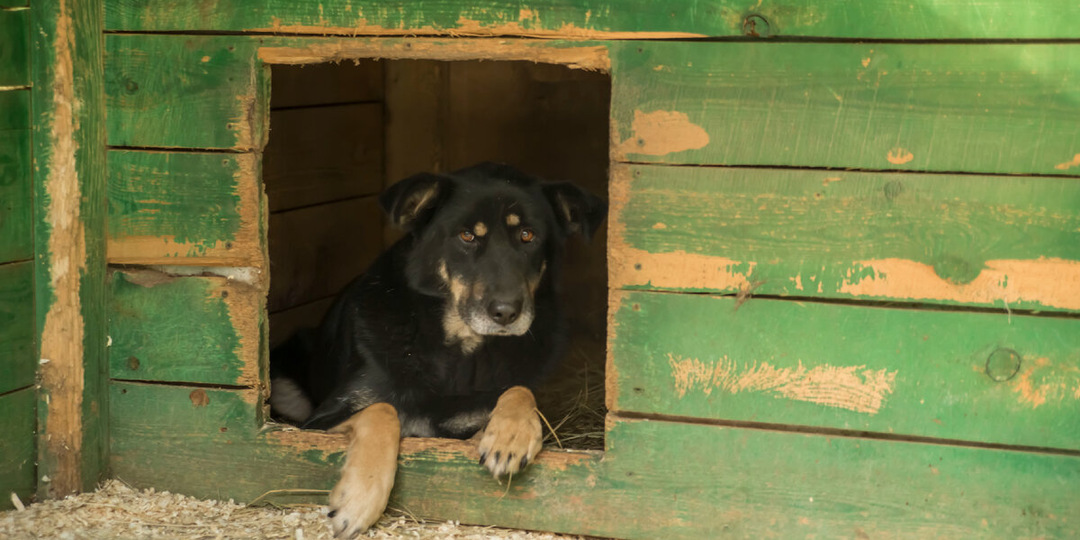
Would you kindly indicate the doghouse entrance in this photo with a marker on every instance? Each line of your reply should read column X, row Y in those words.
column 340, row 133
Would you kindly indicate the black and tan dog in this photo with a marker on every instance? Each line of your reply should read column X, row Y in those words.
column 445, row 335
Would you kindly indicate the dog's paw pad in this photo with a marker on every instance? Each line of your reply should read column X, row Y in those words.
column 356, row 503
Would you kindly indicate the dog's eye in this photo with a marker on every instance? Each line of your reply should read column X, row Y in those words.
column 467, row 236
column 527, row 235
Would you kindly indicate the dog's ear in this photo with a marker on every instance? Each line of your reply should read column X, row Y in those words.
column 410, row 202
column 576, row 210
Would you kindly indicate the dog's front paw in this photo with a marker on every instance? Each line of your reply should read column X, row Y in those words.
column 359, row 498
column 513, row 436
column 357, row 502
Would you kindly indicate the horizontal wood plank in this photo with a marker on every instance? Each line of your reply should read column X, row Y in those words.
column 316, row 251
column 285, row 323
column 183, row 208
column 14, row 47
column 826, row 486
column 940, row 107
column 14, row 109
column 323, row 154
column 184, row 92
column 17, row 332
column 16, row 208
column 978, row 377
column 1001, row 242
column 325, row 84
column 896, row 19
column 184, row 329
column 18, row 453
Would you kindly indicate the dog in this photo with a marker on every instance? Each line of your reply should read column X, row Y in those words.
column 445, row 335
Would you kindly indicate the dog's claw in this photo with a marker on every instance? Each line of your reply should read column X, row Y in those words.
column 331, row 514
column 524, row 462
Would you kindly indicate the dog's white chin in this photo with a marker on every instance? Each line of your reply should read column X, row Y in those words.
column 484, row 326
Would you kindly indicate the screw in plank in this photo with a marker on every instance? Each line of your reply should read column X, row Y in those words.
column 755, row 25
column 1002, row 364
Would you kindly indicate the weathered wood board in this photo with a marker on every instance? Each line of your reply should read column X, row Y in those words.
column 184, row 208
column 979, row 377
column 184, row 329
column 17, row 348
column 828, row 486
column 184, row 91
column 69, row 243
column 16, row 242
column 1000, row 242
column 942, row 107
column 888, row 19
column 323, row 154
column 14, row 47
column 18, row 453
column 316, row 251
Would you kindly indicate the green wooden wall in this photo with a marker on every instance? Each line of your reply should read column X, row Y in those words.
column 843, row 260
column 17, row 341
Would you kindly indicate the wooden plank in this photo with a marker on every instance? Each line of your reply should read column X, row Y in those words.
column 286, row 322
column 184, row 91
column 1002, row 242
column 17, row 347
column 184, row 208
column 18, row 453
column 16, row 209
column 947, row 375
column 324, row 84
column 831, row 486
column 184, row 329
column 316, row 251
column 14, row 47
column 940, row 107
column 322, row 154
column 607, row 19
column 14, row 109
column 69, row 237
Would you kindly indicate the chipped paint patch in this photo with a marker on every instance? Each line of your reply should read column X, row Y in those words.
column 899, row 156
column 468, row 27
column 1074, row 162
column 676, row 270
column 1039, row 383
column 853, row 388
column 1050, row 282
column 660, row 133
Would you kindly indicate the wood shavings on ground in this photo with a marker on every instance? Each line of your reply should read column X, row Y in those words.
column 118, row 511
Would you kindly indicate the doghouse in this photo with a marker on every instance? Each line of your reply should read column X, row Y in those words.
column 842, row 259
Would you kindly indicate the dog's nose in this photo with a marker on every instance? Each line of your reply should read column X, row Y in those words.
column 504, row 312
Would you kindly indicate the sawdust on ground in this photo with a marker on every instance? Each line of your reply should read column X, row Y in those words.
column 118, row 511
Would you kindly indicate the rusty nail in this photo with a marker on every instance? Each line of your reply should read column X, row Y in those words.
column 755, row 25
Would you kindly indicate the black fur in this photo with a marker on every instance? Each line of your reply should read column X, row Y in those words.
column 386, row 337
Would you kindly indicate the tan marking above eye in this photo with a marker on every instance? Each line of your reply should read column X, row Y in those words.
column 513, row 220
column 480, row 229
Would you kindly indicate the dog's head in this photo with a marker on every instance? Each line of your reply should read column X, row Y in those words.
column 486, row 238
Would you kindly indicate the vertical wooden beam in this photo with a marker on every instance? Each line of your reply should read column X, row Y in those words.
column 69, row 190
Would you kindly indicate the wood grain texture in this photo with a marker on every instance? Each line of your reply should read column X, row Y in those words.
column 17, row 333
column 1002, row 242
column 14, row 47
column 69, row 236
column 19, row 451
column 985, row 108
column 184, row 91
column 963, row 376
column 895, row 19
column 827, row 486
column 323, row 154
column 286, row 322
column 316, row 251
column 16, row 204
column 14, row 110
column 184, row 329
column 184, row 208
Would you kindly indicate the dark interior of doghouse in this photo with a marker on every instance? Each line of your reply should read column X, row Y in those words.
column 340, row 133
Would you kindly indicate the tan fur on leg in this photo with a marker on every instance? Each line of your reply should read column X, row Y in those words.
column 512, row 437
column 359, row 498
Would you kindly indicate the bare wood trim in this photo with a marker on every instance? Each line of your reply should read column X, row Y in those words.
column 591, row 57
